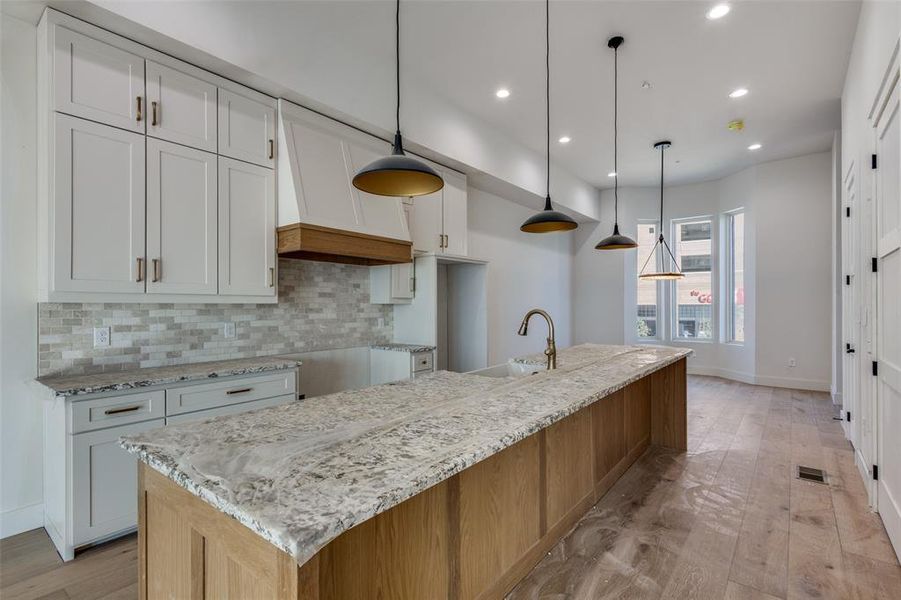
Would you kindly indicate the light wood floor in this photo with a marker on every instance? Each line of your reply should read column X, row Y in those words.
column 725, row 520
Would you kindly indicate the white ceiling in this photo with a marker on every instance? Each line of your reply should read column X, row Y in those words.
column 791, row 54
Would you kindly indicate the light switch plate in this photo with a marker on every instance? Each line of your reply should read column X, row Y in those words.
column 101, row 337
column 229, row 330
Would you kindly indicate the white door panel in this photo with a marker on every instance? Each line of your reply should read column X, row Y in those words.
column 97, row 81
column 181, row 219
column 427, row 226
column 379, row 215
column 181, row 108
column 455, row 226
column 246, row 129
column 98, row 208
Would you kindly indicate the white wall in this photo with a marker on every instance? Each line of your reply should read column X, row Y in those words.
column 525, row 271
column 20, row 412
column 788, row 302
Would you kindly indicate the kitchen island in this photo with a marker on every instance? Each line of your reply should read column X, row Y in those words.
column 447, row 486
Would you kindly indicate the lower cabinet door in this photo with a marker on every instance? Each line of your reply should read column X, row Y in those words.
column 105, row 482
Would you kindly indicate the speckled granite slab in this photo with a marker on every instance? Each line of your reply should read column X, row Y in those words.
column 411, row 348
column 75, row 385
column 302, row 473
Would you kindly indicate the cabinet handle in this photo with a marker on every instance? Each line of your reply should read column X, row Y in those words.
column 241, row 391
column 139, row 109
column 271, row 276
column 271, row 149
column 117, row 411
column 153, row 121
column 412, row 284
column 140, row 269
column 156, row 269
column 441, row 240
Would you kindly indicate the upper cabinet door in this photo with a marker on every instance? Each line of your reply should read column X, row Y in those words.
column 455, row 226
column 246, row 229
column 427, row 228
column 181, row 219
column 180, row 108
column 98, row 208
column 378, row 215
column 98, row 81
column 246, row 129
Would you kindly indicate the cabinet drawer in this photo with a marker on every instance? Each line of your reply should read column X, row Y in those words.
column 231, row 409
column 422, row 361
column 88, row 415
column 222, row 393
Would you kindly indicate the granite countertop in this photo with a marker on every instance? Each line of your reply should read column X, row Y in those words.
column 76, row 385
column 303, row 473
column 411, row 348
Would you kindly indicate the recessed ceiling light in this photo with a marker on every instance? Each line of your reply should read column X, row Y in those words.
column 611, row 174
column 738, row 93
column 502, row 93
column 718, row 12
column 755, row 146
column 565, row 139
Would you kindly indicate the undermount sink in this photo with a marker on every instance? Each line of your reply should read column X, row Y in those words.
column 509, row 369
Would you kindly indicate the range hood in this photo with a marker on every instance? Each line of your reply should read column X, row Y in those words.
column 321, row 215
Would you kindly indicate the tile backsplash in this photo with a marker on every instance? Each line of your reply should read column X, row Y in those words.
column 321, row 306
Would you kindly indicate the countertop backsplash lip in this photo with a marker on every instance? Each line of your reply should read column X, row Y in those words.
column 334, row 461
column 113, row 381
column 321, row 306
column 402, row 347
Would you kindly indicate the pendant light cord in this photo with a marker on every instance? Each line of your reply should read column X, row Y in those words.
column 397, row 61
column 662, row 150
column 547, row 85
column 615, row 136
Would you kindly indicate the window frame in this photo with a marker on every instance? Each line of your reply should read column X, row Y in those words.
column 672, row 294
column 728, row 250
column 660, row 290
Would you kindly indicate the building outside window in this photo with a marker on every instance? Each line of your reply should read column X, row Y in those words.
column 693, row 295
column 735, row 285
column 648, row 299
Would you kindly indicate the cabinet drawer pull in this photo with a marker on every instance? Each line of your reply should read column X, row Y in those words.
column 441, row 240
column 240, row 391
column 271, row 276
column 153, row 120
column 139, row 109
column 140, row 269
column 271, row 149
column 126, row 409
column 156, row 269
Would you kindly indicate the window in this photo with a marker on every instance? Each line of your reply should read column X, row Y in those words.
column 735, row 284
column 693, row 295
column 647, row 290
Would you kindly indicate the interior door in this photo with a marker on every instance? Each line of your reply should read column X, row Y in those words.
column 246, row 229
column 98, row 208
column 181, row 108
column 850, row 312
column 864, row 282
column 888, row 303
column 97, row 81
column 181, row 219
column 246, row 128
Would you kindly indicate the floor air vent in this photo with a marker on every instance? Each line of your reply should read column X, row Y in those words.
column 811, row 474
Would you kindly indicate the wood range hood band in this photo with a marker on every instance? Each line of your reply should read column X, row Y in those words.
column 315, row 242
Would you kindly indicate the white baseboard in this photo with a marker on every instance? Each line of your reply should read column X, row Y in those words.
column 718, row 372
column 780, row 382
column 837, row 398
column 22, row 519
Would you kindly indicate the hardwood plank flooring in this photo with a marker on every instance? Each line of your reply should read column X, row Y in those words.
column 727, row 519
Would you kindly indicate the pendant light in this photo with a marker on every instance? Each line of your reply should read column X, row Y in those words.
column 548, row 219
column 615, row 241
column 398, row 174
column 676, row 273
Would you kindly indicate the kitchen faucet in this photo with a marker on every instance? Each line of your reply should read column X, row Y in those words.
column 551, row 350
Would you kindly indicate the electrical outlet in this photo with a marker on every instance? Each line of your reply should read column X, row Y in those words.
column 381, row 322
column 792, row 362
column 230, row 330
column 101, row 337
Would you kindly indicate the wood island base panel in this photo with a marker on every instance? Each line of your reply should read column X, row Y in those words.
column 472, row 535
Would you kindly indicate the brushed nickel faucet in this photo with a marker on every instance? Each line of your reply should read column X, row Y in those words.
column 551, row 350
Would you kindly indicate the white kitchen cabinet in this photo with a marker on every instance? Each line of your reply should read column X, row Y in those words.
column 438, row 223
column 392, row 284
column 246, row 128
column 105, row 478
column 246, row 229
column 181, row 219
column 386, row 366
column 181, row 108
column 97, row 208
column 97, row 81
column 379, row 215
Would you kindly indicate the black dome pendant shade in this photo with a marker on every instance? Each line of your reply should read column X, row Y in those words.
column 616, row 241
column 548, row 220
column 398, row 174
column 676, row 273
